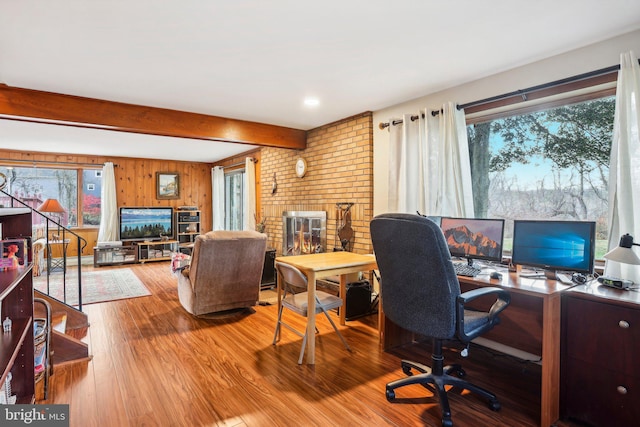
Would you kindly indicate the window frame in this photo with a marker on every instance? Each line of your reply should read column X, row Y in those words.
column 79, row 169
column 236, row 171
column 563, row 94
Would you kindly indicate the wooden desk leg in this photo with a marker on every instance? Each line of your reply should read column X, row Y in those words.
column 550, row 399
column 343, row 295
column 279, row 282
column 311, row 318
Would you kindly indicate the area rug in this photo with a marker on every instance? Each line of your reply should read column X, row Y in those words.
column 97, row 286
column 268, row 297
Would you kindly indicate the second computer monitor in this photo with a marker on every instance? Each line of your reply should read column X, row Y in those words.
column 474, row 238
column 554, row 245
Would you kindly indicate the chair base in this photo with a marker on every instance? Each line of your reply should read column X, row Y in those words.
column 436, row 382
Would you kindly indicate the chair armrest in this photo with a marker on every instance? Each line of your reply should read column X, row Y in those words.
column 502, row 301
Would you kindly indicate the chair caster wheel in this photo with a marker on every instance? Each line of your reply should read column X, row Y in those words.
column 461, row 373
column 446, row 422
column 391, row 395
column 495, row 405
column 406, row 370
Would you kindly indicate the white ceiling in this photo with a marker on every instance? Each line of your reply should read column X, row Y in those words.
column 257, row 60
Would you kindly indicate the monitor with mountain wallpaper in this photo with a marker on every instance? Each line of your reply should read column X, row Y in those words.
column 474, row 238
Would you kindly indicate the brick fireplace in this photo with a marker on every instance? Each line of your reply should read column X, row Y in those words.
column 304, row 232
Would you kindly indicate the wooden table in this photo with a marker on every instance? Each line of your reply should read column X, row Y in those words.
column 531, row 323
column 319, row 266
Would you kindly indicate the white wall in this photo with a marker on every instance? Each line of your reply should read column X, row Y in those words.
column 590, row 58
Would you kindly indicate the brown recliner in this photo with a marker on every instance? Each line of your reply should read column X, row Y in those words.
column 225, row 272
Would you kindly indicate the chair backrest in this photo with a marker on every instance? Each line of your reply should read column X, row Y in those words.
column 226, row 266
column 292, row 277
column 419, row 286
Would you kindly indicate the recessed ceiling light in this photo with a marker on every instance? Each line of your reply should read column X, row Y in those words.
column 311, row 101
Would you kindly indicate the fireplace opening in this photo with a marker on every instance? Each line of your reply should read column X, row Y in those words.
column 304, row 232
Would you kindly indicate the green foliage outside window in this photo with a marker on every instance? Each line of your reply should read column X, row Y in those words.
column 551, row 164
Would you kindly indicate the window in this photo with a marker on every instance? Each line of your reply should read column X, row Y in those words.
column 33, row 185
column 234, row 200
column 91, row 197
column 547, row 164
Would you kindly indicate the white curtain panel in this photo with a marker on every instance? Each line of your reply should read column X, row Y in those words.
column 217, row 184
column 406, row 166
column 429, row 169
column 455, row 190
column 108, row 231
column 249, row 194
column 624, row 170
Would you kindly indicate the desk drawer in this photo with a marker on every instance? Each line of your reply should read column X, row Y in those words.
column 598, row 396
column 603, row 334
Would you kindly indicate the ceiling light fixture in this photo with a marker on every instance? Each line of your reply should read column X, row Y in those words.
column 311, row 101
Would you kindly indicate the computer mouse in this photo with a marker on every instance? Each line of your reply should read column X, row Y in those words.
column 496, row 275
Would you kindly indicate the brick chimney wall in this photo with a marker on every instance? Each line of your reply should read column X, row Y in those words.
column 339, row 169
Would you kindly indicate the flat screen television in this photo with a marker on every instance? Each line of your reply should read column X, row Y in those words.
column 554, row 245
column 146, row 223
column 474, row 238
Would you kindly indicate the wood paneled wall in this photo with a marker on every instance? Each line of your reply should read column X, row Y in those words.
column 135, row 182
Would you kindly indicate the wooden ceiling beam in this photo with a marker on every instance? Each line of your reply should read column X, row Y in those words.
column 68, row 110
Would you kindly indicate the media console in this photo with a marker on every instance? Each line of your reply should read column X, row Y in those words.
column 133, row 252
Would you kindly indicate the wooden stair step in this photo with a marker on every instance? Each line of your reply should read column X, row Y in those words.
column 69, row 327
column 68, row 349
column 59, row 322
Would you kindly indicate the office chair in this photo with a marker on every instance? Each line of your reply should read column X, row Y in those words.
column 420, row 292
column 298, row 303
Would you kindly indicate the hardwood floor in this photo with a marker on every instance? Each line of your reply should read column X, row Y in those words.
column 156, row 365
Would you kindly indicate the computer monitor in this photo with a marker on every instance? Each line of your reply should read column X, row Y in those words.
column 474, row 238
column 554, row 245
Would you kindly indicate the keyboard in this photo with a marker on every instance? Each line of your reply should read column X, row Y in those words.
column 463, row 269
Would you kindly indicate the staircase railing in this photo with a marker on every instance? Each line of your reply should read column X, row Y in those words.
column 65, row 234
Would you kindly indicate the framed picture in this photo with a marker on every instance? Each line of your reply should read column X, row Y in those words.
column 167, row 185
column 14, row 253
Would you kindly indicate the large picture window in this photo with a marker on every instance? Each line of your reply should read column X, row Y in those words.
column 77, row 190
column 547, row 164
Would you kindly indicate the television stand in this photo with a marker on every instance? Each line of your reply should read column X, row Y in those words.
column 156, row 250
column 115, row 254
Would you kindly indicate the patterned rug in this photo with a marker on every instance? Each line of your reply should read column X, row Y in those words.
column 97, row 286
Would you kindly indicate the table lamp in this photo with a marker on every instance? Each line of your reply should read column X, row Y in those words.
column 622, row 253
column 52, row 206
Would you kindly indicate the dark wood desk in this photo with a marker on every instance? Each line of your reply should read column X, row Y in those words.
column 600, row 370
column 531, row 323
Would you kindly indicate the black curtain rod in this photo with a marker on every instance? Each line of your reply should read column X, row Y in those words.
column 522, row 92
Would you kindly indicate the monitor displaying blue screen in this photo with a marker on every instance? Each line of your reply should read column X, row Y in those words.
column 474, row 238
column 554, row 245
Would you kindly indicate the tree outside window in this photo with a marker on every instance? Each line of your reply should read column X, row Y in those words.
column 33, row 185
column 551, row 164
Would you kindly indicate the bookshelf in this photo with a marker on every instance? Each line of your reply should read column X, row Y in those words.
column 16, row 303
column 188, row 228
